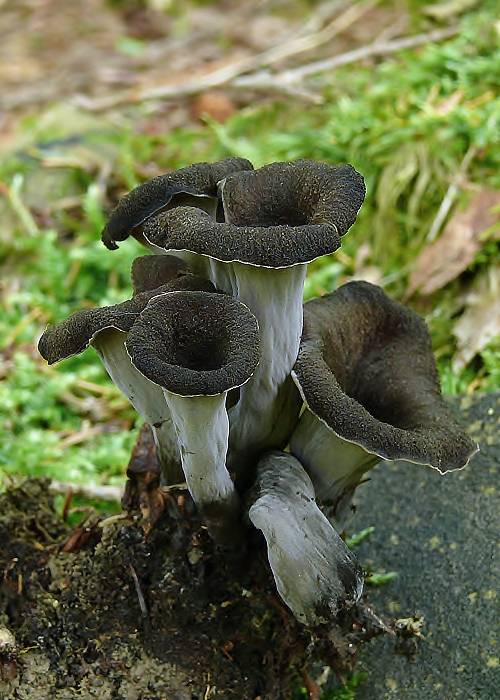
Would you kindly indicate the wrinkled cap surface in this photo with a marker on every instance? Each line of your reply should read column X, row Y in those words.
column 152, row 271
column 195, row 343
column 198, row 180
column 366, row 369
column 75, row 333
column 281, row 215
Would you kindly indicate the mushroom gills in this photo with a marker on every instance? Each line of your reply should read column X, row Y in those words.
column 315, row 573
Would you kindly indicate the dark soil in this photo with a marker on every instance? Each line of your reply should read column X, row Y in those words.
column 126, row 616
column 106, row 611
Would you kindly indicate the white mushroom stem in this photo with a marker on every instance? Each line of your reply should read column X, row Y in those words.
column 145, row 396
column 268, row 406
column 315, row 573
column 202, row 429
column 335, row 466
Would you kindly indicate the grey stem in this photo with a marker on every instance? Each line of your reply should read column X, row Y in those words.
column 315, row 573
column 145, row 396
column 269, row 403
column 335, row 466
column 202, row 429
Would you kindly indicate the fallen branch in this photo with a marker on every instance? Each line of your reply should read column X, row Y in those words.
column 379, row 48
column 103, row 493
column 87, row 433
column 300, row 43
column 263, row 80
column 310, row 41
column 450, row 196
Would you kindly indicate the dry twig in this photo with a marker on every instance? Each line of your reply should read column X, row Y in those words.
column 103, row 493
column 140, row 595
column 301, row 42
column 239, row 75
column 450, row 196
column 310, row 41
column 83, row 435
column 378, row 48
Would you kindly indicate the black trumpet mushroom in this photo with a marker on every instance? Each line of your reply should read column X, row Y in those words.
column 106, row 330
column 197, row 346
column 367, row 375
column 151, row 271
column 275, row 221
column 195, row 185
column 272, row 410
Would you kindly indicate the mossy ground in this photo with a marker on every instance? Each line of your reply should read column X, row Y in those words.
column 406, row 121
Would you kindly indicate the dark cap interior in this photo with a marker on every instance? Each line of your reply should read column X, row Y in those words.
column 366, row 368
column 281, row 215
column 74, row 334
column 296, row 193
column 195, row 343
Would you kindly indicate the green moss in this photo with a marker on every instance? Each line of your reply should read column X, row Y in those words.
column 392, row 120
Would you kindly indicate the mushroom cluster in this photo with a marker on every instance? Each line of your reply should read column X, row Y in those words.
column 271, row 410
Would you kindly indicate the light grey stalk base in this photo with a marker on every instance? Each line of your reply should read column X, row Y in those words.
column 202, row 429
column 315, row 573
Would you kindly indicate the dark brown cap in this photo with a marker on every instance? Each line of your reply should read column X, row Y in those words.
column 366, row 369
column 195, row 343
column 281, row 215
column 151, row 197
column 75, row 333
column 152, row 271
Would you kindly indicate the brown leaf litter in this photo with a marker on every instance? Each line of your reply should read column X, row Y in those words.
column 444, row 260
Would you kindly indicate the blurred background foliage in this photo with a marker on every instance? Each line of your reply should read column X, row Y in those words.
column 421, row 124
